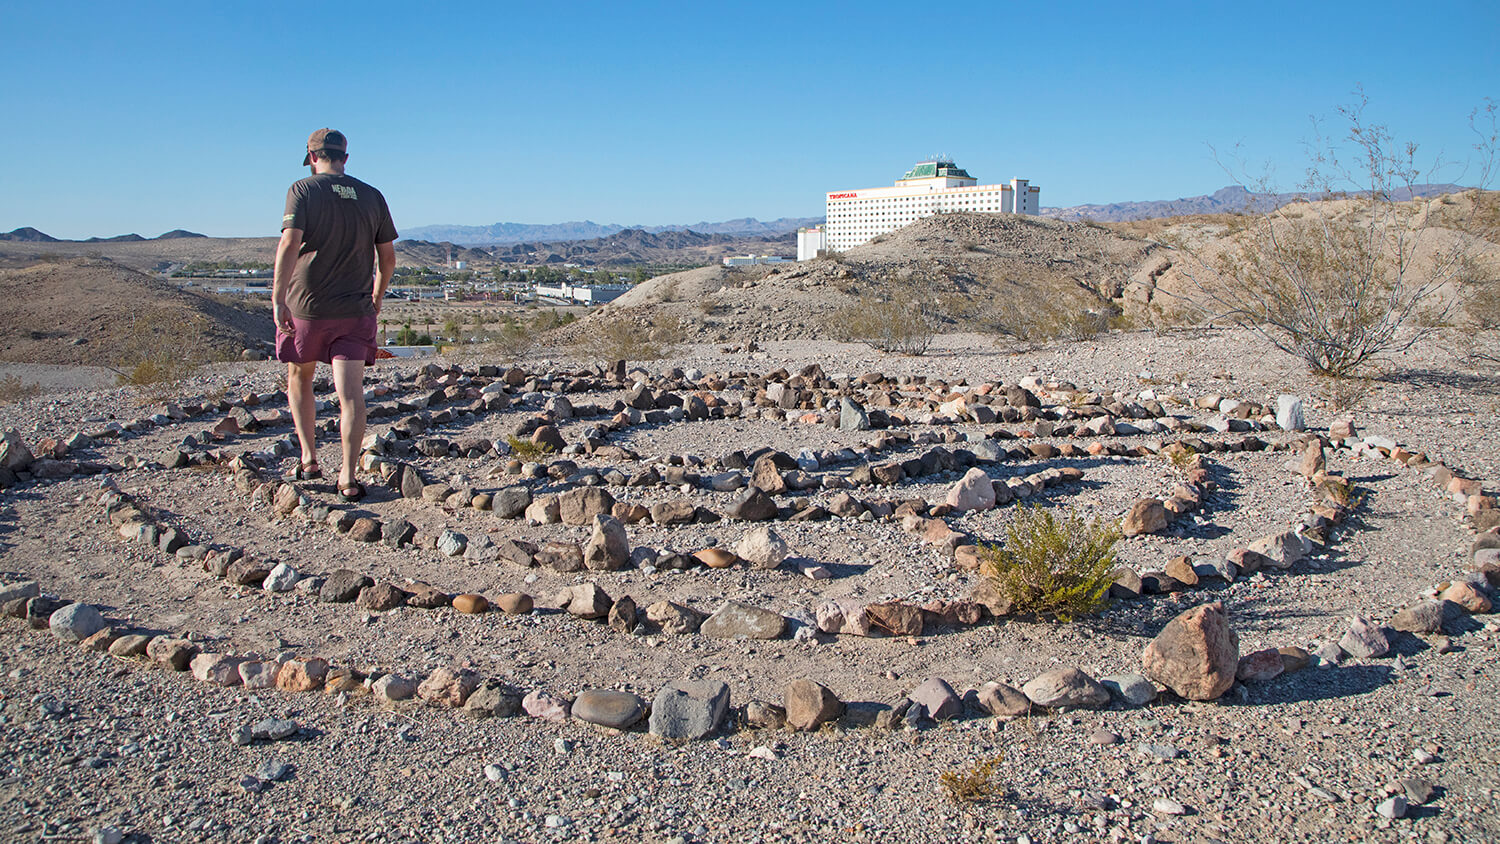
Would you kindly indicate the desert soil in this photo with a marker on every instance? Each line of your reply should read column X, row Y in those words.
column 93, row 742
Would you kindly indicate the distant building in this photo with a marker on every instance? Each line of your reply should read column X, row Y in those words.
column 932, row 187
column 748, row 260
column 809, row 243
column 592, row 294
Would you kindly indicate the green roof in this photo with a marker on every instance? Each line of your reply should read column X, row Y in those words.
column 936, row 169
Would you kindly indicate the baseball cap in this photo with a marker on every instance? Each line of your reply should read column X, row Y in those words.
column 329, row 139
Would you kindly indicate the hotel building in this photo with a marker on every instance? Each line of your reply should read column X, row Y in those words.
column 932, row 187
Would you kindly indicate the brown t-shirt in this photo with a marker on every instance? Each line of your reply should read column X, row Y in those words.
column 341, row 219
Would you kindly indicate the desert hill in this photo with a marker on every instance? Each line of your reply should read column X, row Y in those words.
column 1235, row 199
column 95, row 312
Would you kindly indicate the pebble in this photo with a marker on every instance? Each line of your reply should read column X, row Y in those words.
column 1392, row 808
column 1168, row 806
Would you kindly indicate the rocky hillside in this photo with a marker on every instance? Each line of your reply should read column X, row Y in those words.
column 95, row 312
column 1235, row 199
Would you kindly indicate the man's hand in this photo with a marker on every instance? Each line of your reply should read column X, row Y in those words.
column 282, row 316
column 286, row 262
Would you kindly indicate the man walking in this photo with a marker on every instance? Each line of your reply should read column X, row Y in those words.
column 326, row 298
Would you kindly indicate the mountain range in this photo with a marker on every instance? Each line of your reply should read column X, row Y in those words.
column 27, row 234
column 1231, row 200
column 504, row 233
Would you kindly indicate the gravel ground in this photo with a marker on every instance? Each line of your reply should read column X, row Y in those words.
column 95, row 742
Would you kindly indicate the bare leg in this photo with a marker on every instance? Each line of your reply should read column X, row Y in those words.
column 349, row 381
column 299, row 399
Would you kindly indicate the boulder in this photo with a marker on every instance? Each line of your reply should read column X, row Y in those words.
column 584, row 600
column 762, row 547
column 1146, row 516
column 974, row 491
column 448, row 687
column 608, row 549
column 689, row 710
column 1066, row 687
column 809, row 705
column 734, row 620
column 609, row 708
column 938, row 698
column 1195, row 655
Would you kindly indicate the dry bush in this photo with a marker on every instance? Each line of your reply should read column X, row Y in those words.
column 163, row 347
column 975, row 784
column 1345, row 394
column 1053, row 568
column 903, row 322
column 619, row 337
column 13, row 389
column 526, row 449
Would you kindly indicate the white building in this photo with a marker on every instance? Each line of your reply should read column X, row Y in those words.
column 590, row 294
column 932, row 187
column 748, row 260
column 809, row 243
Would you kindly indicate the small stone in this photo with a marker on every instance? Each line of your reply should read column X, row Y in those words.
column 1103, row 738
column 1392, row 808
column 622, row 615
column 1167, row 806
column 75, row 622
column 809, row 705
column 274, row 729
column 1066, row 687
column 584, row 600
column 171, row 653
column 1364, row 640
column 765, row 716
column 255, row 674
column 514, row 603
column 274, row 770
column 734, row 620
column 218, row 669
column 544, row 705
column 674, row 618
column 716, row 558
column 493, row 699
column 133, row 644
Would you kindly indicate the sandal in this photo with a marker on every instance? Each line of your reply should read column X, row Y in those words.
column 308, row 472
column 352, row 491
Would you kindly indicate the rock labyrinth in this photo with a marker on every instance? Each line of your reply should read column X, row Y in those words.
column 529, row 517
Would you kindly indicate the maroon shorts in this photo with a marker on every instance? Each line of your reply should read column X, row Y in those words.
column 328, row 340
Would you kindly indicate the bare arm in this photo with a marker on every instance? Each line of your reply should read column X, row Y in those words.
column 286, row 264
column 385, row 255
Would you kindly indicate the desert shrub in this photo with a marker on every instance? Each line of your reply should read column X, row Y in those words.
column 13, row 389
column 619, row 337
column 526, row 449
column 904, row 323
column 1050, row 567
column 974, row 784
column 1339, row 492
column 163, row 347
column 1347, row 393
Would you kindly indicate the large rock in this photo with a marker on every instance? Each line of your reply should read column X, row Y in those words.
column 734, row 620
column 1282, row 550
column 1364, row 639
column 809, row 705
column 938, row 698
column 609, row 708
column 584, row 600
column 974, row 491
column 762, row 547
column 765, row 476
column 343, row 586
column 580, row 506
column 674, row 618
column 1066, row 687
column 14, row 455
column 753, row 505
column 689, row 710
column 608, row 548
column 75, row 622
column 1147, row 515
column 1003, row 701
column 1195, row 655
column 448, row 687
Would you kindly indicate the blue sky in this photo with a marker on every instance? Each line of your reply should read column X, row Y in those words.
column 151, row 116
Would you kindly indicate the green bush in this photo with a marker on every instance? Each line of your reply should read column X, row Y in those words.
column 526, row 449
column 975, row 784
column 1053, row 568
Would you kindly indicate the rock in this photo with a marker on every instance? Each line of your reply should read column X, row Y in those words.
column 247, row 571
column 544, row 510
column 1392, row 808
column 765, row 476
column 689, row 710
column 549, row 439
column 167, row 652
column 1067, row 687
column 493, row 699
column 19, row 590
column 1245, row 561
column 752, row 505
column 1146, row 516
column 281, row 578
column 1181, row 569
column 608, row 549
column 14, row 455
column 75, row 622
column 343, row 586
column 584, row 600
column 364, row 529
column 622, row 615
column 302, row 675
column 809, row 705
column 448, row 687
column 101, row 641
column 274, row 729
column 1289, row 413
column 391, row 688
column 256, row 674
column 1003, row 701
column 843, row 615
column 1427, row 616
column 734, row 620
column 1467, row 597
column 974, row 491
column 425, row 597
column 451, row 543
column 938, row 698
column 470, row 603
column 546, row 706
column 511, row 502
column 218, row 669
column 381, row 597
column 517, row 552
column 852, row 417
column 514, row 603
column 131, row 644
column 608, row 708
column 673, row 618
column 1293, row 659
column 563, row 557
column 716, row 558
column 1127, row 584
column 1341, row 428
column 482, row 549
column 1195, row 655
column 580, row 506
column 1364, row 640
column 1281, row 550
column 676, row 512
column 896, row 618
column 1260, row 666
column 1131, row 689
column 1311, row 462
column 762, row 547
column 764, row 716
column 1167, row 806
